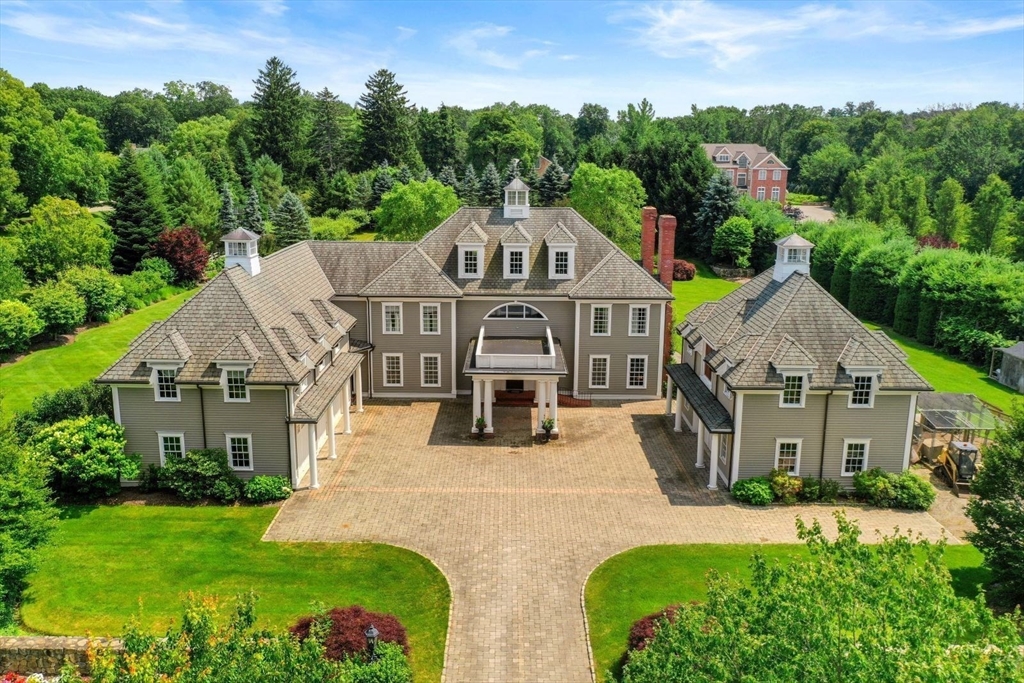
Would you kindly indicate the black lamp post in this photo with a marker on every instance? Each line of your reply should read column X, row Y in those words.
column 371, row 641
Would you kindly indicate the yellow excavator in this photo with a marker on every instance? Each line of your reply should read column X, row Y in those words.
column 957, row 465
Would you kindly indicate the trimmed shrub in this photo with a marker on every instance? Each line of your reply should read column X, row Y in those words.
column 644, row 628
column 201, row 474
column 140, row 288
column 911, row 492
column 828, row 490
column 874, row 280
column 266, row 489
column 683, row 270
column 103, row 294
column 85, row 400
column 733, row 241
column 961, row 337
column 908, row 301
column 18, row 324
column 810, row 490
column 784, row 486
column 86, row 456
column 59, row 307
column 183, row 248
column 345, row 628
column 843, row 272
column 886, row 489
column 755, row 491
column 159, row 266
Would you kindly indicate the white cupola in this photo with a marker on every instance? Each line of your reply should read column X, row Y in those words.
column 241, row 249
column 517, row 199
column 793, row 255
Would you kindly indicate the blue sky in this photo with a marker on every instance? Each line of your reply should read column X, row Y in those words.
column 906, row 54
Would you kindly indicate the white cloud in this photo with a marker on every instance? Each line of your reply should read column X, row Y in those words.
column 726, row 35
column 476, row 44
column 405, row 33
column 274, row 8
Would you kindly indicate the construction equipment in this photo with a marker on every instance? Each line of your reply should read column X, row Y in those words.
column 957, row 465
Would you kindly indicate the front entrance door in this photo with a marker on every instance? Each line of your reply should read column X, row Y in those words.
column 514, row 386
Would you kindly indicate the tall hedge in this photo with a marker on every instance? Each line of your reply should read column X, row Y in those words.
column 874, row 281
column 908, row 302
column 851, row 251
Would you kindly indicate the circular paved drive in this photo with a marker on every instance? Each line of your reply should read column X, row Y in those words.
column 517, row 527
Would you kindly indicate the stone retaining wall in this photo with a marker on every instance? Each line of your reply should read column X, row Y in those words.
column 46, row 654
column 733, row 273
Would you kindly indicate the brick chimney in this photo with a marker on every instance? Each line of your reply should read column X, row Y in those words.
column 648, row 218
column 667, row 249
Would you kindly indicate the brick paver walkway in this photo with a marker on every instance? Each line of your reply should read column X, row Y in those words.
column 517, row 527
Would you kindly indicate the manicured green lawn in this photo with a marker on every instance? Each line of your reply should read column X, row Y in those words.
column 110, row 563
column 81, row 361
column 705, row 286
column 363, row 236
column 642, row 581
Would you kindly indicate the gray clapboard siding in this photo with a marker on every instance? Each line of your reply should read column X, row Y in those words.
column 357, row 309
column 764, row 420
column 618, row 346
column 885, row 424
column 411, row 344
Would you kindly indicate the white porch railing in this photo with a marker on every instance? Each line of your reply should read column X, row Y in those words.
column 515, row 360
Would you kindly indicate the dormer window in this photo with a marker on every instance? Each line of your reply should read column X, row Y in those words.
column 561, row 253
column 236, row 389
column 561, row 262
column 471, row 262
column 724, row 157
column 166, row 388
column 863, row 394
column 793, row 391
column 516, row 263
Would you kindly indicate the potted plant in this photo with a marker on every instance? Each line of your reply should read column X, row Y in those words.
column 547, row 425
column 481, row 425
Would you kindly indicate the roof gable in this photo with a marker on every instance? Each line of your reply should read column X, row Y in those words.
column 560, row 235
column 516, row 235
column 414, row 275
column 473, row 234
column 618, row 277
column 240, row 349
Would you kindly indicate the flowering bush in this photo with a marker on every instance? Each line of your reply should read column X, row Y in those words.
column 937, row 242
column 785, row 487
column 345, row 630
column 86, row 456
column 683, row 270
column 264, row 489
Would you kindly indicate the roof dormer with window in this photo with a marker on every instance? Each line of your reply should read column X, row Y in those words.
column 471, row 243
column 561, row 253
column 517, row 199
column 515, row 247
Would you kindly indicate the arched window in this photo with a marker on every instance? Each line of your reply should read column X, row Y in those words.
column 515, row 311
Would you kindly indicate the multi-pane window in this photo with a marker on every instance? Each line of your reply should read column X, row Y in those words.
column 776, row 192
column 760, row 193
column 636, row 375
column 599, row 372
column 166, row 389
column 741, row 179
column 561, row 263
column 762, row 174
column 237, row 248
column 796, row 255
column 776, row 174
column 515, row 197
column 237, row 390
column 600, row 320
column 861, row 391
column 240, row 451
column 515, row 262
column 793, row 391
column 470, row 262
column 392, row 318
column 171, row 446
column 430, row 318
column 392, row 369
column 723, row 157
column 855, row 459
column 430, row 368
column 638, row 320
column 787, row 458
column 515, row 312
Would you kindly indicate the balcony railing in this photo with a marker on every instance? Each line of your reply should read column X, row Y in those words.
column 501, row 357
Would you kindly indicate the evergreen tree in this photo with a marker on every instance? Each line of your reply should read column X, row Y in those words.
column 228, row 217
column 553, row 185
column 447, row 177
column 327, row 136
column 387, row 121
column 383, row 181
column 278, row 114
column 512, row 171
column 426, row 175
column 138, row 217
column 491, row 187
column 952, row 214
column 469, row 188
column 268, row 179
column 441, row 142
column 719, row 204
column 528, row 174
column 291, row 222
column 243, row 161
column 404, row 175
column 192, row 197
column 362, row 196
column 252, row 217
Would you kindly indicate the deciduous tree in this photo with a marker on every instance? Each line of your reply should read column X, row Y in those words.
column 60, row 234
column 412, row 209
column 952, row 214
column 610, row 199
column 992, row 213
column 497, row 136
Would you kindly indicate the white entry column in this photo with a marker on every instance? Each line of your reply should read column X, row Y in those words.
column 359, row 388
column 314, row 478
column 713, row 474
column 333, row 420
column 700, row 444
column 542, row 396
column 477, row 390
column 346, row 405
column 668, row 400
column 679, row 409
column 553, row 400
column 488, row 406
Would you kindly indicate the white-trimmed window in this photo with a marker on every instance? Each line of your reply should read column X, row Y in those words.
column 723, row 158
column 776, row 192
column 239, row 451
column 776, row 174
column 760, row 192
column 235, row 389
column 239, row 248
column 793, row 391
column 599, row 366
column 516, row 197
column 430, row 318
column 855, row 456
column 517, row 263
column 600, row 321
column 470, row 262
column 430, row 369
column 762, row 174
column 561, row 262
column 638, row 319
column 741, row 179
column 515, row 311
column 787, row 455
column 172, row 445
column 794, row 255
column 636, row 372
column 863, row 394
column 393, row 318
column 392, row 369
column 166, row 388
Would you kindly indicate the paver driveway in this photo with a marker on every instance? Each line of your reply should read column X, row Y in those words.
column 518, row 527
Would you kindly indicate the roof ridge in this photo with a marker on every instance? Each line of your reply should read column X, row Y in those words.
column 586, row 278
column 274, row 343
column 381, row 274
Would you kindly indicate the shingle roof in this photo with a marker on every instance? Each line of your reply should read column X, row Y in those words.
column 558, row 234
column 712, row 413
column 240, row 349
column 472, row 235
column 859, row 355
column 240, row 235
column 517, row 184
column 516, row 235
column 350, row 266
column 413, row 274
column 312, row 404
column 751, row 324
column 331, row 314
column 171, row 347
column 795, row 241
column 622, row 274
column 756, row 154
column 789, row 354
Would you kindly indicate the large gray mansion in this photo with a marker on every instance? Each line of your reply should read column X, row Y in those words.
column 270, row 355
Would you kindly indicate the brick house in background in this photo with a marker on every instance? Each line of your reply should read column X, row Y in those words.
column 751, row 169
